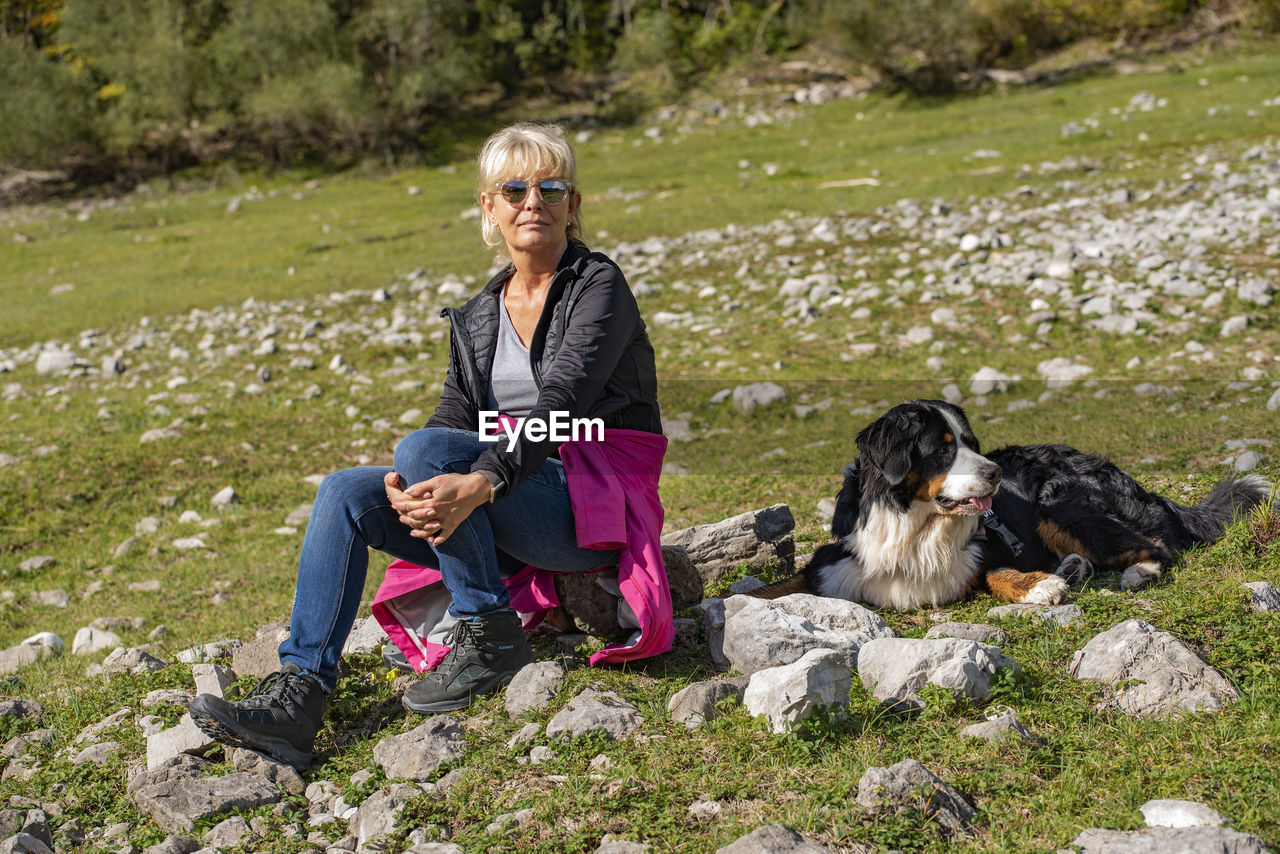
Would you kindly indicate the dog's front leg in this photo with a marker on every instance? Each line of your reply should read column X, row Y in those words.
column 1027, row 588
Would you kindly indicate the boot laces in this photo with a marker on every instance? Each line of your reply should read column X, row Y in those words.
column 276, row 689
column 460, row 638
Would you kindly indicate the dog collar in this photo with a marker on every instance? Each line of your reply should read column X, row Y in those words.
column 991, row 522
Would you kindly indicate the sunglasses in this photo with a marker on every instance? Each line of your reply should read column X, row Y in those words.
column 553, row 191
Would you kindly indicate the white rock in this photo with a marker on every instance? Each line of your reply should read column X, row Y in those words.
column 366, row 636
column 47, row 641
column 416, row 754
column 54, row 362
column 1100, row 306
column 1248, row 461
column 159, row 434
column 186, row 737
column 1169, row 677
column 1167, row 840
column 225, row 497
column 209, row 651
column 51, row 598
column 534, row 686
column 919, row 335
column 89, row 640
column 1169, row 812
column 762, row 633
column 595, row 711
column 1059, row 269
column 749, row 397
column 1060, row 372
column 1235, row 325
column 988, row 380
column 793, row 692
column 998, row 728
column 909, row 785
column 894, row 669
column 1262, row 596
column 213, row 679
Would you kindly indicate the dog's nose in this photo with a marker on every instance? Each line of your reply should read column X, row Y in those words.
column 992, row 473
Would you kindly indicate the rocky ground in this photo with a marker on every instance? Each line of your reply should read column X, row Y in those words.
column 1186, row 269
column 796, row 655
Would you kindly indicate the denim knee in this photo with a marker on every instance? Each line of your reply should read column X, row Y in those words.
column 430, row 451
column 342, row 486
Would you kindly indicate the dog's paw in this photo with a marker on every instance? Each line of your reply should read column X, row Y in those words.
column 1074, row 569
column 1137, row 577
column 1051, row 590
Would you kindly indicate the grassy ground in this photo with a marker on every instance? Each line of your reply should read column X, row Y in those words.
column 185, row 262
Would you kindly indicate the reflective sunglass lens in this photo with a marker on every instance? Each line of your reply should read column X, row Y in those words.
column 553, row 192
column 513, row 191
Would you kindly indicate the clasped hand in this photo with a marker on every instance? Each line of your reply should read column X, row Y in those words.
column 433, row 509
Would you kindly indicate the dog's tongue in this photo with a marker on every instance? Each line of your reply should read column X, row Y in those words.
column 982, row 502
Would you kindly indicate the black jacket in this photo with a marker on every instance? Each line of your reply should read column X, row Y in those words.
column 590, row 356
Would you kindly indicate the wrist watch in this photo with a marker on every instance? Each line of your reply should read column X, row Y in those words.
column 496, row 484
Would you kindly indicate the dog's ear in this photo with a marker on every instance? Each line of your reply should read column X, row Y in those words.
column 889, row 442
column 846, row 515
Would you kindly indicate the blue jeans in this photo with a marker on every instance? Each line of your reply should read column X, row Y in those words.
column 533, row 524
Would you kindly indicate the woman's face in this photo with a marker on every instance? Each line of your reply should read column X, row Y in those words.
column 532, row 225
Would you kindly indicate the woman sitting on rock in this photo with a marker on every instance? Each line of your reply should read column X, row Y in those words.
column 555, row 335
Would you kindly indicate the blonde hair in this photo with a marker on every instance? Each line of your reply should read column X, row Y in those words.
column 520, row 152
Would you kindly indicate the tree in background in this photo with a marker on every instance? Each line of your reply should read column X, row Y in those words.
column 120, row 87
column 29, row 23
column 47, row 111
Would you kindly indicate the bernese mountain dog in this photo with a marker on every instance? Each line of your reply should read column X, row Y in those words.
column 924, row 518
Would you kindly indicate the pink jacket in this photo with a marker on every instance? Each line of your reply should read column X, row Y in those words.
column 613, row 488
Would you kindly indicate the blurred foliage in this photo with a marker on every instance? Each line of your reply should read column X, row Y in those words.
column 936, row 46
column 112, row 87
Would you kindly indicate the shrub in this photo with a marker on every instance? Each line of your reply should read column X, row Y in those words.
column 927, row 46
column 47, row 114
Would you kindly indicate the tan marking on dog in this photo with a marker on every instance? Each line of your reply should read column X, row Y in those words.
column 1009, row 585
column 976, row 583
column 930, row 488
column 1060, row 542
column 785, row 587
column 948, row 438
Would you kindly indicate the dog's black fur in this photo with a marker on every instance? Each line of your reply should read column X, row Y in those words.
column 907, row 518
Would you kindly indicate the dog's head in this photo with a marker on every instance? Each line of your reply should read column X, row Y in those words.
column 924, row 451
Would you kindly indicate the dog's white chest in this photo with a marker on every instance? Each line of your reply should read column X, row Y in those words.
column 905, row 560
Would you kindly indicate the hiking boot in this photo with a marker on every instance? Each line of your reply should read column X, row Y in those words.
column 484, row 653
column 279, row 717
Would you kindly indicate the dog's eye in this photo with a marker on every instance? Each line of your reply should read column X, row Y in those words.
column 943, row 451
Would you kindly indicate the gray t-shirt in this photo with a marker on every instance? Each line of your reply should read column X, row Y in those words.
column 512, row 390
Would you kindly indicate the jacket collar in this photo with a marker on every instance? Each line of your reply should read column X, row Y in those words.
column 572, row 254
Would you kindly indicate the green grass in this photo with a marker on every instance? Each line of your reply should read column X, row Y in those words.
column 163, row 254
column 159, row 253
